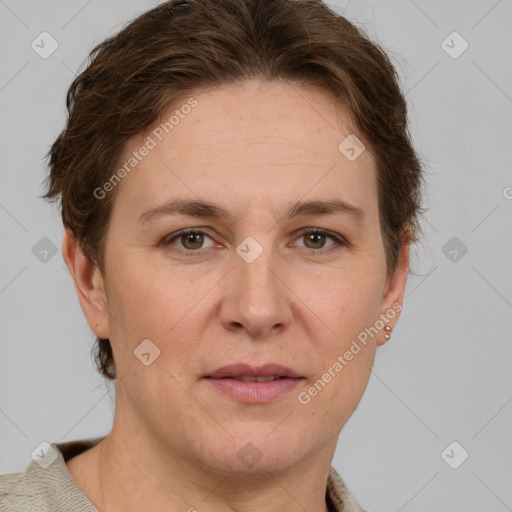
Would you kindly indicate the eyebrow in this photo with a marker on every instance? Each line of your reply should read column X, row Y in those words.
column 207, row 210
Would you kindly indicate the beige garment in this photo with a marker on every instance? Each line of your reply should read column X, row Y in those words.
column 52, row 489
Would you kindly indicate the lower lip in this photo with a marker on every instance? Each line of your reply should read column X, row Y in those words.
column 255, row 392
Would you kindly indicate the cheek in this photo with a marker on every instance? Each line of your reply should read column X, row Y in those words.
column 143, row 293
column 345, row 344
column 348, row 302
column 154, row 304
column 337, row 390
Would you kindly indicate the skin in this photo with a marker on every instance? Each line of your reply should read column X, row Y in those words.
column 255, row 148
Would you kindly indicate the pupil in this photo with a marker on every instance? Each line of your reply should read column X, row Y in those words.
column 190, row 237
column 313, row 235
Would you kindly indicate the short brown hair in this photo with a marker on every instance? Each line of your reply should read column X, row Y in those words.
column 182, row 46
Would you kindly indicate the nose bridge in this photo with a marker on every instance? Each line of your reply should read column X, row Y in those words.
column 259, row 300
column 255, row 272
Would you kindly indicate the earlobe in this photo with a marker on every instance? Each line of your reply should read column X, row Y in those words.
column 88, row 283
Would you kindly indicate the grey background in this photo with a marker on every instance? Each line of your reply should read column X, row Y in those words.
column 445, row 375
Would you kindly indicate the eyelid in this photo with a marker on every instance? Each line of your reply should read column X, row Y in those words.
column 167, row 240
column 341, row 240
column 338, row 239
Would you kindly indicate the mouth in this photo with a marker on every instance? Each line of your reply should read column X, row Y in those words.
column 251, row 384
column 248, row 373
column 247, row 378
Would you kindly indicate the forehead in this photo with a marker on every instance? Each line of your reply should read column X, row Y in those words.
column 253, row 143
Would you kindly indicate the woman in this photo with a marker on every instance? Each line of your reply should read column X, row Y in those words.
column 239, row 195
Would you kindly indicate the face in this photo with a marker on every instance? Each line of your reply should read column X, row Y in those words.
column 254, row 284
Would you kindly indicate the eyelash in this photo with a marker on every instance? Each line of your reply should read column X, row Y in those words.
column 339, row 240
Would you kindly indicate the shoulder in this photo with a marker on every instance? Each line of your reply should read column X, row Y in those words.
column 18, row 494
column 46, row 485
column 339, row 494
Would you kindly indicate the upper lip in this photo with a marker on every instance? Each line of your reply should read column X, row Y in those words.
column 245, row 370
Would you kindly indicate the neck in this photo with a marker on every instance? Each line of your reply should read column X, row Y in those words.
column 136, row 476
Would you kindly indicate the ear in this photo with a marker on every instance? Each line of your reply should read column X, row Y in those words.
column 89, row 285
column 394, row 289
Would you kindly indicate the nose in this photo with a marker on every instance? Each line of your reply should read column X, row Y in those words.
column 256, row 298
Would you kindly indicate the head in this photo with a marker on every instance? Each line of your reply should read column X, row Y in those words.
column 254, row 108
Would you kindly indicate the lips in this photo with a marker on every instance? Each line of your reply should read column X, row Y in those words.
column 254, row 384
column 247, row 373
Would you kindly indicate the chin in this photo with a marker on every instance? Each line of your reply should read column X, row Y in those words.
column 259, row 452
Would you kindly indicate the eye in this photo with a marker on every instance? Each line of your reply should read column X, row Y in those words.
column 191, row 239
column 315, row 239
